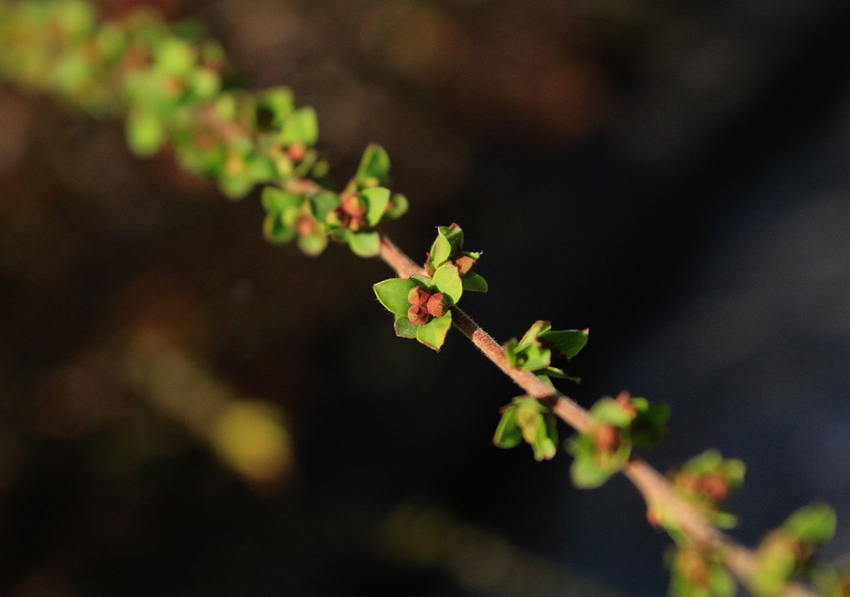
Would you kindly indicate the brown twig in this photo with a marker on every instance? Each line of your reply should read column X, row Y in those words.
column 652, row 485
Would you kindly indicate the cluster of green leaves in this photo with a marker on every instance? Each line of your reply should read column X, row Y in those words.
column 617, row 425
column 706, row 481
column 787, row 551
column 698, row 571
column 173, row 88
column 529, row 419
column 422, row 303
column 314, row 214
column 544, row 351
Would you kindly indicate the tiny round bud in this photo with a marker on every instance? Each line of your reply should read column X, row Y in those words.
column 464, row 264
column 353, row 204
column 305, row 225
column 296, row 152
column 715, row 487
column 418, row 315
column 418, row 295
column 606, row 438
column 437, row 304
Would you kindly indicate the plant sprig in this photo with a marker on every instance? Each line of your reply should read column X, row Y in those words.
column 173, row 89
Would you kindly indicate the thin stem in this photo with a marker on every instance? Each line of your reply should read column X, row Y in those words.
column 652, row 485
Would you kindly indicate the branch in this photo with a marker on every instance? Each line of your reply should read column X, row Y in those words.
column 652, row 485
column 171, row 91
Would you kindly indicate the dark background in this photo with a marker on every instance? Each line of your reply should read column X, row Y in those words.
column 186, row 410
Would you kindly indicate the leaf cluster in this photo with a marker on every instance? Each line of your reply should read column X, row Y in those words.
column 422, row 303
column 617, row 425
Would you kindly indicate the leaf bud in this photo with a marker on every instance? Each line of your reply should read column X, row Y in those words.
column 464, row 264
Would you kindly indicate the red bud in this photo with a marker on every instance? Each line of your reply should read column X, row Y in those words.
column 418, row 315
column 437, row 304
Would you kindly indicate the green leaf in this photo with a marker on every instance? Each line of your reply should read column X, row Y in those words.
column 569, row 342
column 529, row 416
column 441, row 250
column 403, row 327
column 474, row 283
column 392, row 294
column 375, row 164
column 323, row 203
column 377, row 198
column 508, row 433
column 545, row 444
column 530, row 337
column 533, row 358
column 145, row 133
column 608, row 410
column 447, row 280
column 422, row 280
column 365, row 244
column 236, row 186
column 225, row 106
column 277, row 200
column 814, row 523
column 205, row 83
column 301, row 126
column 313, row 244
column 585, row 473
column 649, row 427
column 175, row 57
column 724, row 520
column 261, row 168
column 280, row 102
column 275, row 230
column 454, row 235
column 398, row 206
column 433, row 333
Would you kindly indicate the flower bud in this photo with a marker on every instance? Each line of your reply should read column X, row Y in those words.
column 305, row 225
column 296, row 152
column 353, row 204
column 437, row 304
column 714, row 487
column 418, row 295
column 464, row 264
column 418, row 315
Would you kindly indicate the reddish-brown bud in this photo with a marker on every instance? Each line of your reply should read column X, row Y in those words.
column 690, row 562
column 464, row 264
column 418, row 295
column 352, row 204
column 714, row 487
column 296, row 152
column 418, row 315
column 204, row 140
column 606, row 438
column 305, row 225
column 437, row 304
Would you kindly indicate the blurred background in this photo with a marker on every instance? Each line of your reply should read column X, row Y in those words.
column 187, row 410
